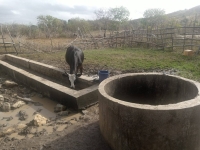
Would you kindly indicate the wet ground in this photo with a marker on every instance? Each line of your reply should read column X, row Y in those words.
column 74, row 130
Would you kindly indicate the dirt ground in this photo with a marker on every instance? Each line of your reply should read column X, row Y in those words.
column 75, row 131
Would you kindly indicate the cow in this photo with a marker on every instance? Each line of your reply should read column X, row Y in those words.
column 74, row 57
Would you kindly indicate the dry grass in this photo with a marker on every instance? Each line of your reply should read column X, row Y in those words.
column 24, row 45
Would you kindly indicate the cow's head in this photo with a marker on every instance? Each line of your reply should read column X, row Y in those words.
column 72, row 78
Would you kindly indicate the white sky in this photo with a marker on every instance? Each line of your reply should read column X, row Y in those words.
column 26, row 11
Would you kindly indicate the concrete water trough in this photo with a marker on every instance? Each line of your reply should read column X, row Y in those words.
column 49, row 80
column 150, row 111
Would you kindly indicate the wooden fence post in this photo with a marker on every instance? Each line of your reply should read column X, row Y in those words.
column 3, row 39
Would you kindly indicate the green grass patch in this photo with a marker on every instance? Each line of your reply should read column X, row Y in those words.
column 133, row 59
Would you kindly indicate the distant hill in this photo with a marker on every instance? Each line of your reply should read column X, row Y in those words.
column 181, row 15
column 187, row 12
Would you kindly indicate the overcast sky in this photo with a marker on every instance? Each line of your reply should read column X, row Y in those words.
column 26, row 11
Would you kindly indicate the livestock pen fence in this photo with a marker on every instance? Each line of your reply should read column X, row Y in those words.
column 6, row 44
column 171, row 38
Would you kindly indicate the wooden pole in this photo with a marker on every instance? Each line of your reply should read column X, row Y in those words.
column 3, row 39
column 12, row 40
column 161, row 36
column 184, row 38
column 193, row 32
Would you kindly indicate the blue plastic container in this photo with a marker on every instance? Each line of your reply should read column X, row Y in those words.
column 103, row 74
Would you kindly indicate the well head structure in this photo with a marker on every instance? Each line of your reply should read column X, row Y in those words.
column 150, row 111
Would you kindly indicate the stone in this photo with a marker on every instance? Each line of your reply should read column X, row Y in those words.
column 20, row 126
column 59, row 108
column 7, row 131
column 18, row 104
column 23, row 115
column 64, row 113
column 39, row 120
column 12, row 129
column 6, row 107
column 85, row 112
column 1, row 98
column 73, row 121
column 81, row 117
column 14, row 95
column 9, row 84
column 1, row 104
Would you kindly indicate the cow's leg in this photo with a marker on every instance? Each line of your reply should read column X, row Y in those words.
column 72, row 78
column 81, row 69
column 71, row 69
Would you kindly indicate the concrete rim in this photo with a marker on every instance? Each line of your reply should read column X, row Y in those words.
column 181, row 105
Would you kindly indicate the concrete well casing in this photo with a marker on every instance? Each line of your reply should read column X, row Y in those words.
column 163, row 113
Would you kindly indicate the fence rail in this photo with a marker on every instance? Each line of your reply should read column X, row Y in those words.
column 165, row 38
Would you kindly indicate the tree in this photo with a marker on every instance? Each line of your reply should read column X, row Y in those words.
column 154, row 17
column 103, row 17
column 153, row 13
column 77, row 25
column 49, row 25
column 119, row 14
column 112, row 18
column 33, row 31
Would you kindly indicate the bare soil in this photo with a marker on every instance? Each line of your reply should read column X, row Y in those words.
column 76, row 131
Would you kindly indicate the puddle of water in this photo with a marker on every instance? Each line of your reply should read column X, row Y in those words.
column 61, row 127
column 49, row 129
column 47, row 103
column 30, row 136
column 15, row 135
column 47, row 111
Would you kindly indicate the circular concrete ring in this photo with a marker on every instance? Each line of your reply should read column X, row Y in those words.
column 163, row 114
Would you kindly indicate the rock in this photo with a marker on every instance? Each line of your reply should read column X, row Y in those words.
column 2, row 125
column 18, row 104
column 14, row 95
column 7, row 131
column 1, row 98
column 5, row 125
column 23, row 115
column 9, row 84
column 63, row 113
column 59, row 108
column 39, row 120
column 6, row 107
column 7, row 118
column 1, row 104
column 85, row 112
column 73, row 121
column 81, row 117
column 2, row 91
column 12, row 129
column 20, row 126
